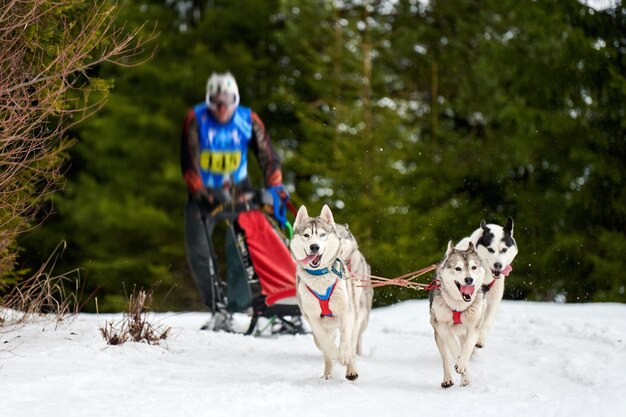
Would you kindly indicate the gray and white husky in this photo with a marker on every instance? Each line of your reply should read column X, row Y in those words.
column 326, row 254
column 497, row 248
column 456, row 309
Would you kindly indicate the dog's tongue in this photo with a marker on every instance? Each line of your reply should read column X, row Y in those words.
column 467, row 289
column 507, row 270
column 308, row 259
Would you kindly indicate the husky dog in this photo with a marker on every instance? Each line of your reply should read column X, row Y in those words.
column 497, row 248
column 456, row 309
column 326, row 253
column 357, row 265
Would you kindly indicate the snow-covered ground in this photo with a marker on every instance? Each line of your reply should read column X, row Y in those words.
column 540, row 360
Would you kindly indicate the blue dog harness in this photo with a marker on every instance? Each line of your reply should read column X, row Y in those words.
column 325, row 270
column 324, row 299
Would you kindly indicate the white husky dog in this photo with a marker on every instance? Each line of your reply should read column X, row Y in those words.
column 456, row 309
column 326, row 253
column 497, row 248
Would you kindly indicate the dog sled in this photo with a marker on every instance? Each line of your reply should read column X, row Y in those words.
column 261, row 276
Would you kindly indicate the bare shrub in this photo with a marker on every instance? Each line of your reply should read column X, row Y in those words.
column 47, row 49
column 135, row 325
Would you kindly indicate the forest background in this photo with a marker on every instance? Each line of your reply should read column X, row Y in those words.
column 413, row 120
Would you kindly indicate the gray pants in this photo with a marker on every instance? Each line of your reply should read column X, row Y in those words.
column 202, row 262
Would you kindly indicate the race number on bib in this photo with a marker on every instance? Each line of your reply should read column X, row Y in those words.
column 220, row 162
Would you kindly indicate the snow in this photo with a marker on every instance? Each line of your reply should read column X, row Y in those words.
column 601, row 4
column 540, row 359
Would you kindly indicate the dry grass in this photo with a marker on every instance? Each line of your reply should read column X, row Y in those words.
column 135, row 325
column 43, row 294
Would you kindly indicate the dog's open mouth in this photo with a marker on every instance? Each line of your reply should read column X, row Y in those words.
column 315, row 262
column 505, row 272
column 312, row 260
column 466, row 291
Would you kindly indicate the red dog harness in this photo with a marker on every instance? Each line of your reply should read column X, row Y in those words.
column 456, row 316
column 324, row 300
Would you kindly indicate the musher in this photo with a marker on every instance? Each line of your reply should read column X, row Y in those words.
column 215, row 141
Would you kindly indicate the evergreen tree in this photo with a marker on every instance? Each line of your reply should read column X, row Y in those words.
column 494, row 108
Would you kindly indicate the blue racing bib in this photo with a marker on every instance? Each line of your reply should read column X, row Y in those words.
column 223, row 147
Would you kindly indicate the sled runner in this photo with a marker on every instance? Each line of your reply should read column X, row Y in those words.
column 263, row 276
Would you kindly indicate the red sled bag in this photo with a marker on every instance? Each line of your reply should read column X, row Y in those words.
column 270, row 257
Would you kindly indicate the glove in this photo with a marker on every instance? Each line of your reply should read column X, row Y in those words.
column 207, row 200
column 220, row 196
column 280, row 196
column 201, row 197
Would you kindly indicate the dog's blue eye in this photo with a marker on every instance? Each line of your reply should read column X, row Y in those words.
column 491, row 250
column 322, row 234
column 458, row 268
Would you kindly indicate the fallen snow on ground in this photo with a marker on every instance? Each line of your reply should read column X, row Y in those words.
column 540, row 359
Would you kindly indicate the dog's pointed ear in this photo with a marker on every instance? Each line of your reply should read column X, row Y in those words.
column 483, row 225
column 508, row 227
column 471, row 247
column 450, row 248
column 301, row 216
column 327, row 215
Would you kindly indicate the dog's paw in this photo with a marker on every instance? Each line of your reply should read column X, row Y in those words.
column 351, row 372
column 447, row 383
column 351, row 376
column 326, row 376
column 460, row 367
column 464, row 380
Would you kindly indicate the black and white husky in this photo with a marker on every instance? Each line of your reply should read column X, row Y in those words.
column 456, row 309
column 326, row 254
column 497, row 248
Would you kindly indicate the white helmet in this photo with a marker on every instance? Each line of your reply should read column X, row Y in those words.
column 222, row 87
